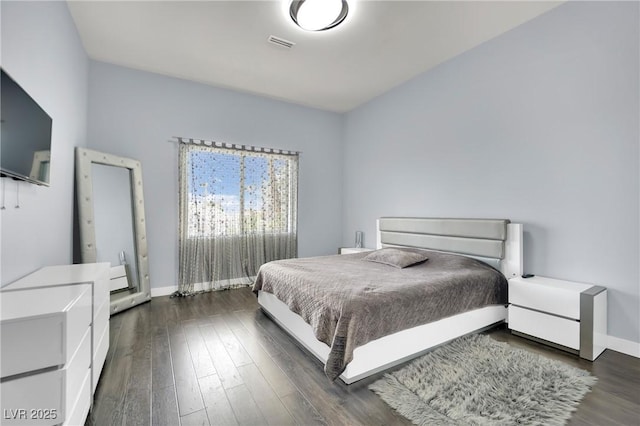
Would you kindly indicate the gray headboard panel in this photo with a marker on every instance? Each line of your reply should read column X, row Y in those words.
column 476, row 237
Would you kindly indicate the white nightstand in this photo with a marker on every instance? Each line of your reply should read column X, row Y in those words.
column 569, row 315
column 350, row 250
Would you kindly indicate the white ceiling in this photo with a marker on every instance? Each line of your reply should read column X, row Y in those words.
column 224, row 43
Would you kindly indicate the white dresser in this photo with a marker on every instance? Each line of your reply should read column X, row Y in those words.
column 55, row 337
column 567, row 314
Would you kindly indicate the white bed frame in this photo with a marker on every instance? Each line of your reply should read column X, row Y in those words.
column 394, row 349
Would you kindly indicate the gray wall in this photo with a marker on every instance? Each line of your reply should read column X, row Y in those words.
column 539, row 125
column 134, row 114
column 41, row 50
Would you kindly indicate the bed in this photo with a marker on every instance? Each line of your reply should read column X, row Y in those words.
column 359, row 317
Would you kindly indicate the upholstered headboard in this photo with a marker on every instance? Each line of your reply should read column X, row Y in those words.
column 496, row 240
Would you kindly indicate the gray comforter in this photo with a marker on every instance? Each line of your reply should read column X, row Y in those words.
column 349, row 302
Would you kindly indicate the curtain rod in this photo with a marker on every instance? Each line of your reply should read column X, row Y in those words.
column 193, row 141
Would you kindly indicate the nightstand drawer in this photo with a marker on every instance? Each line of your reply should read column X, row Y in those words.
column 351, row 250
column 547, row 295
column 554, row 329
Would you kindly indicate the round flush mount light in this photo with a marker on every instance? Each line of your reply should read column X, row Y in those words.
column 318, row 15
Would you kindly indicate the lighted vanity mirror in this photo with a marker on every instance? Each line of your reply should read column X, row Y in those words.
column 112, row 223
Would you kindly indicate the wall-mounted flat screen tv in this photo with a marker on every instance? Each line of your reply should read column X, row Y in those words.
column 25, row 139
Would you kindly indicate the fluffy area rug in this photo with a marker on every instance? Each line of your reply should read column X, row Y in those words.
column 476, row 380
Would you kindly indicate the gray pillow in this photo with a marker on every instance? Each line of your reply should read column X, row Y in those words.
column 398, row 258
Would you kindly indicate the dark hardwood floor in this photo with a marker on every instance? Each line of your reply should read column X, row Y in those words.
column 217, row 359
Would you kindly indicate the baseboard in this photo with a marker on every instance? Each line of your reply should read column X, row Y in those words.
column 163, row 291
column 626, row 347
column 166, row 291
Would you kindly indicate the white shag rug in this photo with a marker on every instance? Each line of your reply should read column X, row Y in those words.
column 476, row 380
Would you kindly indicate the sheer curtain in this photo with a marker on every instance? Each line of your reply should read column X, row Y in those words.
column 238, row 210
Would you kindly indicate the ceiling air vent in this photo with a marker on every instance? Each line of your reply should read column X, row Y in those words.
column 281, row 42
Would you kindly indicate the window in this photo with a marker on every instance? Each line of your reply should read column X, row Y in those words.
column 239, row 193
column 238, row 210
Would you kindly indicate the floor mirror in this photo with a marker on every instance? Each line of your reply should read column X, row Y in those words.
column 112, row 223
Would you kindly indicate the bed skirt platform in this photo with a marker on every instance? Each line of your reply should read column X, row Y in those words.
column 389, row 351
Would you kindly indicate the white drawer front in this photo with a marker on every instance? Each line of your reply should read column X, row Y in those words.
column 32, row 343
column 101, row 319
column 78, row 414
column 41, row 394
column 351, row 250
column 76, row 371
column 34, row 400
column 100, row 354
column 101, row 291
column 78, row 322
column 117, row 271
column 562, row 331
column 37, row 342
column 118, row 283
column 549, row 299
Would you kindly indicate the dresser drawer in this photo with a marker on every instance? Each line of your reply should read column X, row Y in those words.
column 41, row 397
column 78, row 414
column 100, row 354
column 54, row 322
column 25, row 400
column 76, row 371
column 100, row 320
column 554, row 329
column 101, row 288
column 547, row 295
column 42, row 328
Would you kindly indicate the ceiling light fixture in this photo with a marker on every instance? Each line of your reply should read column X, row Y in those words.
column 318, row 15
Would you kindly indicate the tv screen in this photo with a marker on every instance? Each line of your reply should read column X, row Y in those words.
column 25, row 139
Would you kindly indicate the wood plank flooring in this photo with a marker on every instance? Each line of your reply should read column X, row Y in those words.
column 216, row 359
